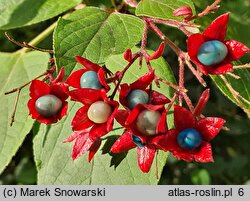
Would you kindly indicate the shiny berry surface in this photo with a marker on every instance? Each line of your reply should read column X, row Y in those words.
column 189, row 139
column 137, row 96
column 137, row 141
column 90, row 80
column 99, row 112
column 147, row 122
column 48, row 105
column 212, row 52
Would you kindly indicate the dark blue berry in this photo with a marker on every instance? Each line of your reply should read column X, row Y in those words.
column 189, row 139
column 137, row 141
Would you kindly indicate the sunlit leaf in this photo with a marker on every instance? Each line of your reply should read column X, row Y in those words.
column 15, row 70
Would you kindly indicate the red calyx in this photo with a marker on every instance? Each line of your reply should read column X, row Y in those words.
column 128, row 55
column 184, row 11
column 158, row 53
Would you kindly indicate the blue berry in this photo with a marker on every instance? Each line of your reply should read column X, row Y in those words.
column 212, row 52
column 90, row 80
column 48, row 105
column 189, row 139
column 137, row 96
column 137, row 141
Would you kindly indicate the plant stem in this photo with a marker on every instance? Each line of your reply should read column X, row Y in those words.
column 26, row 45
column 143, row 52
column 24, row 85
column 18, row 90
column 171, row 102
column 181, row 77
column 40, row 37
column 188, row 101
column 156, row 165
column 173, row 23
column 131, row 3
column 121, row 75
column 209, row 9
column 195, row 72
column 177, row 88
column 12, row 119
column 174, row 47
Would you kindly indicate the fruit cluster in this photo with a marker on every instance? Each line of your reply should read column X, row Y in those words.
column 144, row 117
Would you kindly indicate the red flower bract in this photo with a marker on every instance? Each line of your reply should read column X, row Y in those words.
column 81, row 121
column 146, row 144
column 87, row 134
column 146, row 150
column 39, row 89
column 208, row 128
column 131, row 120
column 83, row 144
column 74, row 79
column 216, row 31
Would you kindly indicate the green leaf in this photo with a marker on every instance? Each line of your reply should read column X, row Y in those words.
column 94, row 34
column 240, row 85
column 25, row 172
column 162, row 9
column 99, row 3
column 201, row 177
column 16, row 69
column 19, row 13
column 53, row 157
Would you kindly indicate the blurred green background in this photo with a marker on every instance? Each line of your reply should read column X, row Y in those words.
column 231, row 149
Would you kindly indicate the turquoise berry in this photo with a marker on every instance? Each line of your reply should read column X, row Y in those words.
column 147, row 122
column 137, row 141
column 137, row 96
column 90, row 80
column 189, row 139
column 99, row 112
column 212, row 52
column 48, row 105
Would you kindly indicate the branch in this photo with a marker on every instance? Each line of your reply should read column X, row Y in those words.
column 177, row 88
column 209, row 9
column 18, row 90
column 121, row 75
column 12, row 118
column 174, row 23
column 195, row 72
column 174, row 47
column 25, row 84
column 26, row 45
